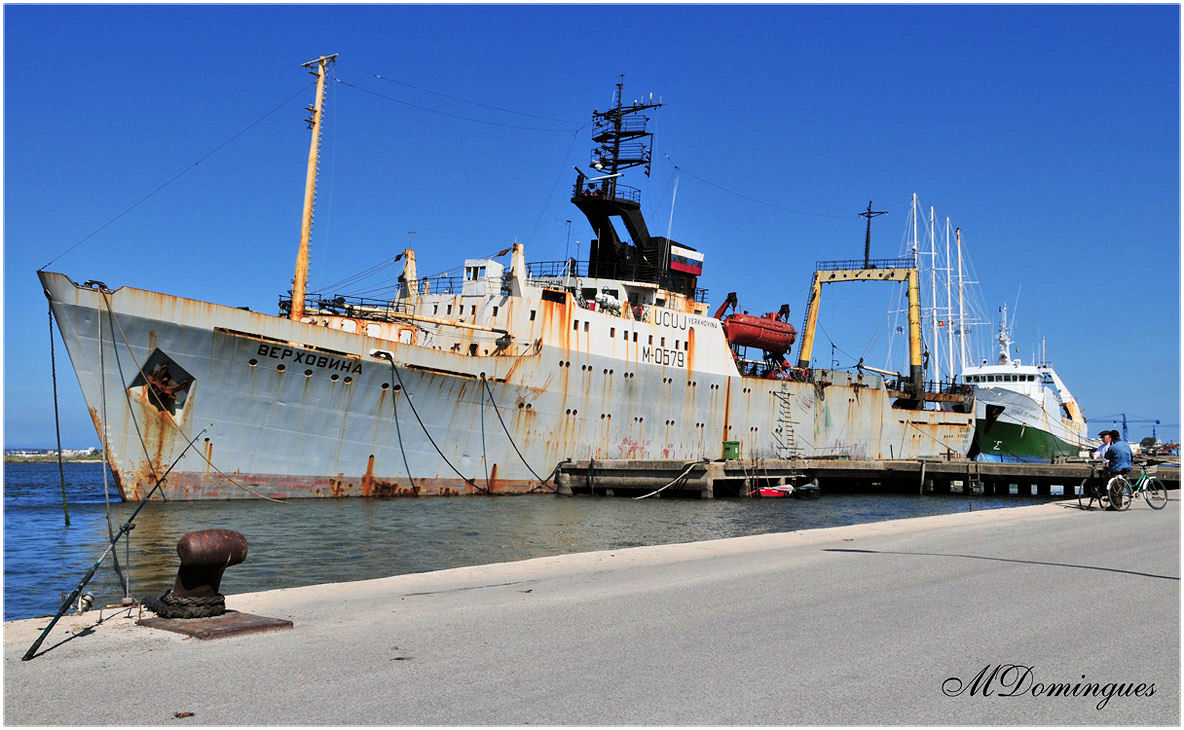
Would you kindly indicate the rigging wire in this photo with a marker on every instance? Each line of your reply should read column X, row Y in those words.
column 749, row 198
column 174, row 178
column 467, row 101
column 446, row 114
column 567, row 156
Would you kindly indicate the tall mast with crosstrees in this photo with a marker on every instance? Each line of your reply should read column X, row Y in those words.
column 300, row 281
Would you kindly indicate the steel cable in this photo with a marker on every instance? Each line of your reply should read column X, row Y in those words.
column 432, row 441
column 510, row 438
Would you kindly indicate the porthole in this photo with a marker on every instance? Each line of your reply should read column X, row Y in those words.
column 348, row 380
column 386, row 386
column 334, row 377
column 281, row 368
column 253, row 362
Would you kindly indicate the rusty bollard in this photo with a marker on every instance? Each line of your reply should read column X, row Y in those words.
column 204, row 555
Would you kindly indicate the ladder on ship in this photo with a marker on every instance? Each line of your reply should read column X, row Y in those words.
column 787, row 446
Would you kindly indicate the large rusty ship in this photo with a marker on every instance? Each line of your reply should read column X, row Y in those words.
column 486, row 383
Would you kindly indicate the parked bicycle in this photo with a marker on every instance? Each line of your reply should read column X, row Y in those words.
column 1122, row 492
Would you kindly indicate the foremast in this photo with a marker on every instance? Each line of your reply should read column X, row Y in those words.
column 300, row 280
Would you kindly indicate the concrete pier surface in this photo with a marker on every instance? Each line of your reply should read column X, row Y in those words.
column 982, row 618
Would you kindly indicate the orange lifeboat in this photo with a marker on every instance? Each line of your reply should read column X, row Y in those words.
column 768, row 333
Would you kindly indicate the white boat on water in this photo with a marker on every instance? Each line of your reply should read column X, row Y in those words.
column 481, row 384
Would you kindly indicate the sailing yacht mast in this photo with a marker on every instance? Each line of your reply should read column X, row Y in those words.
column 933, row 296
column 949, row 309
column 961, row 311
column 300, row 281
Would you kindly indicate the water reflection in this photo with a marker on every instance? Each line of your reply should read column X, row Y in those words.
column 306, row 542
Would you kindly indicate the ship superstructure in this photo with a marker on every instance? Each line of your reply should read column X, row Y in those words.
column 1024, row 413
column 481, row 384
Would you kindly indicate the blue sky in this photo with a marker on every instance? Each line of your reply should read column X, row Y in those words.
column 1048, row 134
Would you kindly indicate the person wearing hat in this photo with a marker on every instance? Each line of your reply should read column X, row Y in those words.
column 1118, row 456
column 1100, row 452
column 1118, row 459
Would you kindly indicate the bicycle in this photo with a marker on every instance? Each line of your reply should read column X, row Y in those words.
column 1089, row 488
column 1122, row 492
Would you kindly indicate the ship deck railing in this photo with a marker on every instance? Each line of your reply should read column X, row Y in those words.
column 845, row 264
column 556, row 273
column 594, row 190
column 354, row 306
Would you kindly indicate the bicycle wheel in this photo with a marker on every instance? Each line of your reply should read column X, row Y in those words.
column 1119, row 490
column 1155, row 493
column 1085, row 498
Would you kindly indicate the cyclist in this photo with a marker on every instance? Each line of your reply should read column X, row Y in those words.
column 1118, row 460
column 1100, row 453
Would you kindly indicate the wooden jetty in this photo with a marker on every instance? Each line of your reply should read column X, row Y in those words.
column 740, row 477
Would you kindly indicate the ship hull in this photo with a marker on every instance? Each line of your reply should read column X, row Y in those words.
column 237, row 404
column 1013, row 427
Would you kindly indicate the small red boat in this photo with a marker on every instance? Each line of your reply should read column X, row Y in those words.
column 784, row 491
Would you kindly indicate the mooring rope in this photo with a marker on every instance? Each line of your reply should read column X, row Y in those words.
column 106, row 488
column 510, row 438
column 684, row 473
column 123, row 380
column 399, row 435
column 127, row 394
column 56, row 421
column 484, row 451
column 389, row 358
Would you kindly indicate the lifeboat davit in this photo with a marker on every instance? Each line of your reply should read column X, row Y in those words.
column 769, row 332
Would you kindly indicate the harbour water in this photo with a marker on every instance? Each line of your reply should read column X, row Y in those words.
column 310, row 541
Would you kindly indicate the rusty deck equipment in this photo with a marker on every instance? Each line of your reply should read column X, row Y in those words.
column 231, row 623
column 739, row 477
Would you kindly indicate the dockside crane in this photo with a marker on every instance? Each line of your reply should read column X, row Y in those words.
column 1117, row 417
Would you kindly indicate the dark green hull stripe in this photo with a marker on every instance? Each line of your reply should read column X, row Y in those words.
column 1000, row 441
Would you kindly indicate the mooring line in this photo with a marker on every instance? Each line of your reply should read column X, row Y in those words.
column 127, row 526
column 389, row 358
column 510, row 438
column 131, row 411
column 56, row 421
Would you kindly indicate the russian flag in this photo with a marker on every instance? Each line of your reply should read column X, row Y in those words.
column 686, row 260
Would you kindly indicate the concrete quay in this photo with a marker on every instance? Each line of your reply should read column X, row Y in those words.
column 883, row 623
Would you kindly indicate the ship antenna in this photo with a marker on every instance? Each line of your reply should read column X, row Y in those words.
column 867, row 241
column 300, row 281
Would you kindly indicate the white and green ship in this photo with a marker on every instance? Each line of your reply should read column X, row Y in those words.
column 1023, row 413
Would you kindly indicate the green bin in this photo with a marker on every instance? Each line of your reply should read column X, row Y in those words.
column 731, row 449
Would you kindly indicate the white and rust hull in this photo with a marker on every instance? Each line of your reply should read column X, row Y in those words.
column 315, row 409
